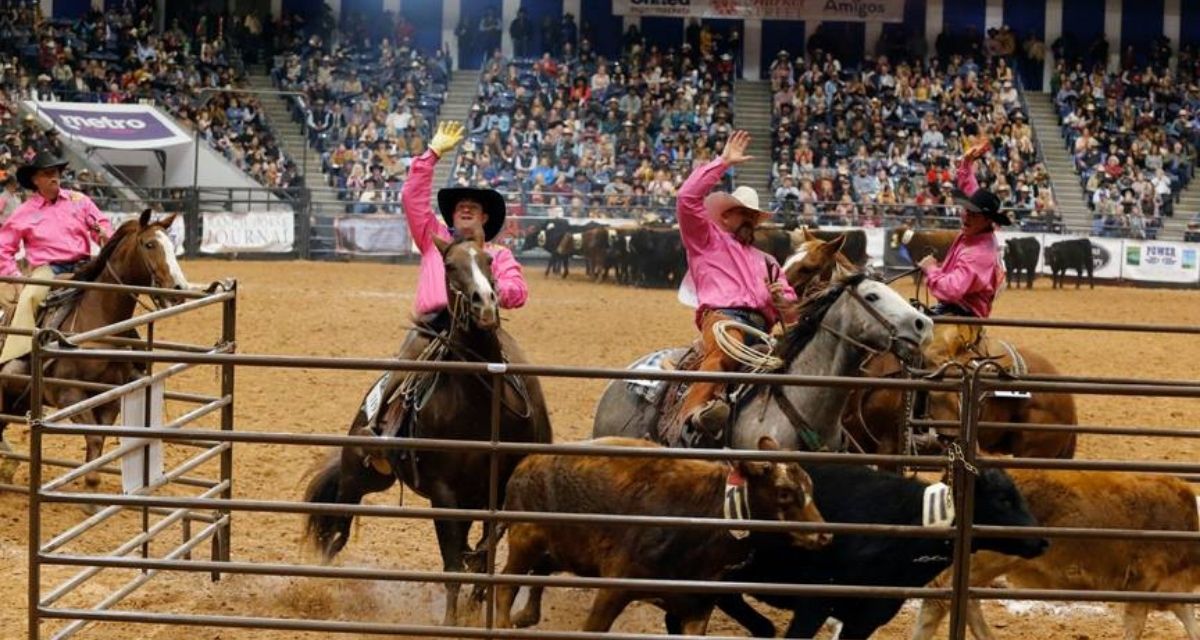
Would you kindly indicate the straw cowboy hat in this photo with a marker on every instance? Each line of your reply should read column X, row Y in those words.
column 42, row 160
column 490, row 199
column 746, row 197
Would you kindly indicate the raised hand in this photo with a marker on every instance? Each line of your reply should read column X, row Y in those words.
column 735, row 148
column 449, row 134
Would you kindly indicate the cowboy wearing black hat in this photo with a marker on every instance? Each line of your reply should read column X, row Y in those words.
column 476, row 214
column 966, row 283
column 56, row 226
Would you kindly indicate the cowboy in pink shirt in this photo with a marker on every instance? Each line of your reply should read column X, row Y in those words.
column 56, row 226
column 733, row 279
column 967, row 281
column 471, row 213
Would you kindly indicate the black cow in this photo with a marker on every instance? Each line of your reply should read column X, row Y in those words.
column 856, row 494
column 1021, row 255
column 1071, row 254
column 657, row 257
column 549, row 236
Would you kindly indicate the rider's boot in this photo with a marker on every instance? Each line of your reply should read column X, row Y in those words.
column 706, row 426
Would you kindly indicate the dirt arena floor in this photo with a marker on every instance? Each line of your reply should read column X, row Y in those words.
column 361, row 309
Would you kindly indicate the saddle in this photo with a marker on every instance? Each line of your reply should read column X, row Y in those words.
column 53, row 311
column 969, row 345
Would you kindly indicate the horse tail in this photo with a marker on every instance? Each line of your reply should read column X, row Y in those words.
column 326, row 532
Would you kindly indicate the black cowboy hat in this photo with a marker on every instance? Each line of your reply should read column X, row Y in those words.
column 43, row 160
column 491, row 200
column 982, row 201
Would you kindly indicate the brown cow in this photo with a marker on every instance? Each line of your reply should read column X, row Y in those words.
column 593, row 246
column 1093, row 500
column 921, row 243
column 640, row 486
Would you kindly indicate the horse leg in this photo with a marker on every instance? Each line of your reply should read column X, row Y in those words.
column 452, row 542
column 609, row 604
column 8, row 467
column 95, row 444
column 104, row 414
column 1135, row 619
column 735, row 606
column 1186, row 614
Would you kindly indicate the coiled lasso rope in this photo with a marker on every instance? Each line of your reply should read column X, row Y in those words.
column 740, row 352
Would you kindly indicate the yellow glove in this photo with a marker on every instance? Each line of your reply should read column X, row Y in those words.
column 449, row 134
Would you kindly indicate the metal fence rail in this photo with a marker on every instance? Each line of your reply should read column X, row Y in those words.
column 213, row 522
column 219, row 501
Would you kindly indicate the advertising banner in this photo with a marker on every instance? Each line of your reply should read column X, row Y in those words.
column 1154, row 261
column 254, row 232
column 372, row 235
column 819, row 10
column 111, row 126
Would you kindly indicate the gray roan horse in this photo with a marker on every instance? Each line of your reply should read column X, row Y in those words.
column 458, row 407
column 839, row 328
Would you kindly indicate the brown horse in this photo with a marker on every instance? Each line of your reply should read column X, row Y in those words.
column 140, row 253
column 455, row 407
column 877, row 419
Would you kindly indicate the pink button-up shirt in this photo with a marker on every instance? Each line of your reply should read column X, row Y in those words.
column 971, row 274
column 726, row 272
column 424, row 225
column 53, row 232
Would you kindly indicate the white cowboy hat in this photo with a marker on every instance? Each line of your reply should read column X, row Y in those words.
column 719, row 202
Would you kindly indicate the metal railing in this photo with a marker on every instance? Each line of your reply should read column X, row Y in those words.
column 970, row 388
column 197, row 455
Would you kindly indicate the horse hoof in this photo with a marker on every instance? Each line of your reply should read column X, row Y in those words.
column 89, row 509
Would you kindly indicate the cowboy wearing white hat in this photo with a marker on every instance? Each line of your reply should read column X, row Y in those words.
column 733, row 279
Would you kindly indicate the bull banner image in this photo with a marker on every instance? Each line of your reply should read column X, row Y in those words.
column 111, row 126
column 819, row 10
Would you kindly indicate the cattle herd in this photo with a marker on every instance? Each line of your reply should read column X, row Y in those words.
column 651, row 255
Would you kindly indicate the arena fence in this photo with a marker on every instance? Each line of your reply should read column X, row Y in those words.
column 194, row 467
column 218, row 500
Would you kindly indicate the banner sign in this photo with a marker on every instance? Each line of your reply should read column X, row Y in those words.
column 818, row 10
column 254, row 232
column 111, row 126
column 177, row 231
column 372, row 235
column 1160, row 262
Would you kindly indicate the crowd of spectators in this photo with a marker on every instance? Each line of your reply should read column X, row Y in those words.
column 583, row 136
column 369, row 105
column 117, row 56
column 851, row 147
column 1133, row 136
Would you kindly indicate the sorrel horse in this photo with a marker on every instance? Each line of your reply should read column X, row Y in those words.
column 457, row 407
column 139, row 253
column 839, row 328
column 877, row 419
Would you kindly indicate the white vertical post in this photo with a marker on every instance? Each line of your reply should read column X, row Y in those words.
column 1054, row 30
column 873, row 31
column 993, row 14
column 934, row 22
column 752, row 34
column 1173, row 28
column 1112, row 31
column 47, row 7
column 451, row 13
column 508, row 13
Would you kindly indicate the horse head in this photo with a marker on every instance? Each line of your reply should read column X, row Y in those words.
column 469, row 282
column 865, row 313
column 140, row 253
column 815, row 262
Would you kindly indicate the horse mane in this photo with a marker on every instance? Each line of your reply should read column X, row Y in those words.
column 94, row 267
column 812, row 311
